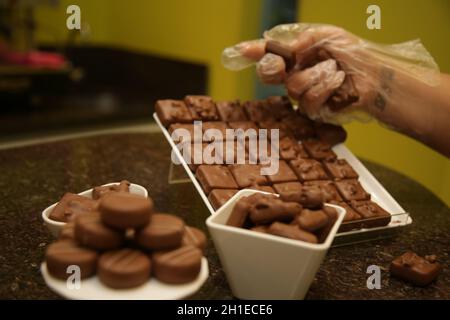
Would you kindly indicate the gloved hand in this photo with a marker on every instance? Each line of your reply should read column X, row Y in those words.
column 331, row 74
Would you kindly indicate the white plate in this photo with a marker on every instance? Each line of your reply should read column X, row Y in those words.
column 55, row 227
column 373, row 186
column 93, row 289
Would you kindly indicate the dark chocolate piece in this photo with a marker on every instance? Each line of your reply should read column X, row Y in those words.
column 291, row 232
column 64, row 253
column 328, row 189
column 124, row 210
column 289, row 191
column 376, row 215
column 280, row 106
column 247, row 175
column 258, row 110
column 72, row 205
column 301, row 127
column 351, row 189
column 202, row 108
column 312, row 220
column 98, row 192
column 92, row 233
column 344, row 96
column 330, row 133
column 290, row 149
column 218, row 197
column 124, row 268
column 319, row 150
column 178, row 266
column 340, row 169
column 266, row 209
column 172, row 111
column 163, row 232
column 194, row 237
column 282, row 50
column 308, row 169
column 231, row 111
column 215, row 177
column 284, row 174
column 415, row 269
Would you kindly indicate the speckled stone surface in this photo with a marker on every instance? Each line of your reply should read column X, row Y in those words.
column 37, row 176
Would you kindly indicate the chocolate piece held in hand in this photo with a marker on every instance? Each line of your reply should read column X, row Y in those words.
column 177, row 266
column 98, row 192
column 291, row 232
column 164, row 231
column 268, row 208
column 72, row 205
column 415, row 269
column 124, row 268
column 64, row 253
column 124, row 210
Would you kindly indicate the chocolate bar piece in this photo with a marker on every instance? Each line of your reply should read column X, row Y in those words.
column 172, row 111
column 177, row 266
column 246, row 175
column 231, row 111
column 291, row 232
column 72, row 205
column 202, row 108
column 351, row 217
column 312, row 220
column 311, row 197
column 308, row 169
column 267, row 208
column 284, row 174
column 182, row 132
column 344, row 96
column 280, row 106
column 330, row 133
column 378, row 217
column 163, row 232
column 351, row 189
column 282, row 50
column 290, row 149
column 319, row 150
column 211, row 135
column 258, row 110
column 194, row 237
column 340, row 169
column 415, row 269
column 218, row 197
column 215, row 177
column 289, row 191
column 124, row 268
column 328, row 189
column 64, row 253
column 301, row 127
column 239, row 213
column 98, row 192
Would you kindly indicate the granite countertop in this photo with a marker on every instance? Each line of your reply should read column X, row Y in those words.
column 36, row 176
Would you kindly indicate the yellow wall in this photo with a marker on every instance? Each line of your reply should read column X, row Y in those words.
column 401, row 20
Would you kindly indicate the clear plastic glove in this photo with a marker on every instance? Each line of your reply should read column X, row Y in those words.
column 330, row 63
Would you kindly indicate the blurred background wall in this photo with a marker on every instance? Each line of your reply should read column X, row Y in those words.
column 198, row 30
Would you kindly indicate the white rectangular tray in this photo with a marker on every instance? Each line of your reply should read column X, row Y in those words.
column 378, row 194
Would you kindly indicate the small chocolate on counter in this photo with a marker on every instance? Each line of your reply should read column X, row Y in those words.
column 163, row 232
column 340, row 169
column 194, row 237
column 351, row 189
column 319, row 150
column 215, row 177
column 177, row 266
column 71, row 205
column 172, row 111
column 415, row 269
column 267, row 208
column 218, row 197
column 291, row 232
column 124, row 210
column 202, row 108
column 231, row 111
column 124, row 268
column 330, row 133
column 92, row 233
column 98, row 192
column 64, row 253
column 312, row 220
column 247, row 175
column 308, row 169
column 344, row 96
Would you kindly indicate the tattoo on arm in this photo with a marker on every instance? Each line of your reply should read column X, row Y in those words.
column 386, row 77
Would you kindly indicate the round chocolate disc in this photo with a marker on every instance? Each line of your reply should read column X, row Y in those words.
column 124, row 210
column 62, row 254
column 165, row 231
column 124, row 268
column 194, row 237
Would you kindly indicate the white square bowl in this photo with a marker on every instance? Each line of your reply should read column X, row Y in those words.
column 264, row 266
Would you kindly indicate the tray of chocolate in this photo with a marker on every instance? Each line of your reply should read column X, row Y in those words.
column 229, row 146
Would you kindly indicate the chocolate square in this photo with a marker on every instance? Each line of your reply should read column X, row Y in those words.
column 284, row 174
column 218, row 197
column 229, row 151
column 301, row 127
column 329, row 191
column 202, row 108
column 308, row 169
column 330, row 133
column 247, row 175
column 258, row 110
column 319, row 150
column 351, row 189
column 280, row 106
column 218, row 125
column 371, row 210
column 340, row 169
column 351, row 217
column 196, row 152
column 215, row 177
column 415, row 269
column 172, row 111
column 290, row 149
column 231, row 111
column 283, row 130
column 178, row 136
column 289, row 191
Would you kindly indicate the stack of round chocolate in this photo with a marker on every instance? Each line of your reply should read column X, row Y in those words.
column 125, row 242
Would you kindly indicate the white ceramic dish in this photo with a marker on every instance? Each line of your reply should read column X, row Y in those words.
column 367, row 180
column 56, row 226
column 263, row 266
column 93, row 289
